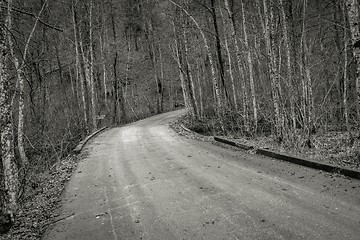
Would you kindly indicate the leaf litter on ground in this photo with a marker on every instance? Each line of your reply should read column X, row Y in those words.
column 40, row 200
column 333, row 147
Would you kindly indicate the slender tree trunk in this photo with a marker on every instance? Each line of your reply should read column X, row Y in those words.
column 72, row 83
column 103, row 63
column 346, row 81
column 131, row 107
column 115, row 94
column 190, row 78
column 353, row 14
column 230, row 63
column 134, row 99
column 171, row 91
column 337, row 11
column 288, row 66
column 20, row 90
column 153, row 54
column 201, row 101
column 218, row 100
column 10, row 171
column 162, row 76
column 79, row 74
column 21, row 117
column 270, row 45
column 171, row 94
column 250, row 66
column 119, row 104
column 127, row 68
column 184, row 86
column 91, row 71
column 64, row 87
column 239, row 65
column 182, row 81
column 86, row 77
column 157, row 80
column 20, row 78
column 116, row 118
column 218, row 50
column 307, row 81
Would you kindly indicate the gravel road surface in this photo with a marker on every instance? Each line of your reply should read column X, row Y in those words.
column 145, row 181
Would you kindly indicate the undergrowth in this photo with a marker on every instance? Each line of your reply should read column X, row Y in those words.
column 42, row 197
column 335, row 147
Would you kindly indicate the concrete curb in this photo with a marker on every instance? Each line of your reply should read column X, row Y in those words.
column 185, row 128
column 81, row 145
column 235, row 144
column 300, row 161
column 193, row 132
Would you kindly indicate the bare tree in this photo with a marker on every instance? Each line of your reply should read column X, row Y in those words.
column 288, row 65
column 353, row 13
column 20, row 79
column 239, row 64
column 250, row 66
column 189, row 72
column 91, row 73
column 218, row 99
column 6, row 125
column 175, row 51
column 346, row 80
column 228, row 52
column 79, row 72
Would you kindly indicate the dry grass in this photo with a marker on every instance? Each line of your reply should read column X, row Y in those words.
column 335, row 147
column 41, row 198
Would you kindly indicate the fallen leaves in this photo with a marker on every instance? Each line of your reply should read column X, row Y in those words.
column 37, row 206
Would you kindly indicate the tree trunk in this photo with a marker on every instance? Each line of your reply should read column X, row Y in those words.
column 239, row 65
column 250, row 66
column 156, row 77
column 127, row 68
column 91, row 72
column 10, row 171
column 162, row 77
column 218, row 100
column 79, row 73
column 338, row 10
column 153, row 54
column 72, row 83
column 116, row 118
column 270, row 45
column 288, row 66
column 308, row 100
column 200, row 73
column 103, row 64
column 20, row 79
column 353, row 14
column 119, row 103
column 228, row 52
column 346, row 81
column 20, row 91
column 21, row 116
column 218, row 50
column 189, row 73
column 184, row 87
column 64, row 88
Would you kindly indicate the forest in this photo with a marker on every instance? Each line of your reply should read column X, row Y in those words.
column 284, row 69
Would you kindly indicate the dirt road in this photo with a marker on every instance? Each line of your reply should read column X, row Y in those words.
column 144, row 181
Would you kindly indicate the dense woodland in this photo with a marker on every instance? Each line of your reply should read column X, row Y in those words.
column 281, row 68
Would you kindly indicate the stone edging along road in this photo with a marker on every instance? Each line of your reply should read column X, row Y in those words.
column 81, row 145
column 300, row 161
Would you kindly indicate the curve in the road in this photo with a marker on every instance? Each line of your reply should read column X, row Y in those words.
column 144, row 181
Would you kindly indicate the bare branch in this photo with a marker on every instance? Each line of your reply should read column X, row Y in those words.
column 16, row 10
